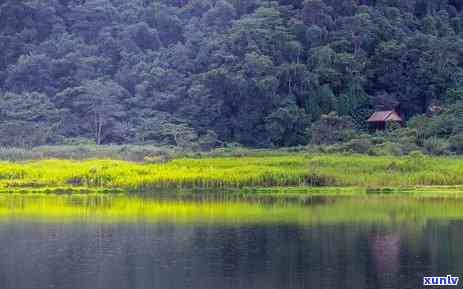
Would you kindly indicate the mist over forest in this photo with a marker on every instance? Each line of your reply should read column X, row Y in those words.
column 251, row 72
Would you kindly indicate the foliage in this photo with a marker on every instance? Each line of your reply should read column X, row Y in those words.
column 28, row 119
column 82, row 151
column 359, row 145
column 265, row 169
column 436, row 146
column 386, row 149
column 456, row 143
column 331, row 129
column 100, row 111
column 201, row 73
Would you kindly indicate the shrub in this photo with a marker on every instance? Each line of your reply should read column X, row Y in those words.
column 18, row 154
column 456, row 143
column 360, row 145
column 331, row 129
column 387, row 149
column 408, row 145
column 436, row 146
column 377, row 138
column 78, row 141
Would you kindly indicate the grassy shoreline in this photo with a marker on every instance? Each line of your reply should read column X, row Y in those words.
column 271, row 174
column 257, row 193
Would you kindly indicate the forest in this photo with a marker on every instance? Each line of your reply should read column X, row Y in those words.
column 206, row 73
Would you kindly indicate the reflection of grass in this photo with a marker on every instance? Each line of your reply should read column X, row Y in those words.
column 123, row 208
column 265, row 171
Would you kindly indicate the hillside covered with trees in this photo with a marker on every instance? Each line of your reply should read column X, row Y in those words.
column 254, row 72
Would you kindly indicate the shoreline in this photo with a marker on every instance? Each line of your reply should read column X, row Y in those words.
column 284, row 193
column 290, row 174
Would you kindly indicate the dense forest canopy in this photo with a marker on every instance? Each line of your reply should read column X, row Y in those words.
column 253, row 72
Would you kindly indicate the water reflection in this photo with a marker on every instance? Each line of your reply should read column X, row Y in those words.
column 84, row 253
column 127, row 208
column 385, row 253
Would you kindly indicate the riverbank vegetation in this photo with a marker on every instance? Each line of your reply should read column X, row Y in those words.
column 281, row 169
column 133, row 153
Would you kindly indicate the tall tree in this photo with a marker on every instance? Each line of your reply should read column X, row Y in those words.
column 27, row 119
column 99, row 105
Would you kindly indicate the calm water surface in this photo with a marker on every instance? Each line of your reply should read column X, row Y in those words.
column 253, row 246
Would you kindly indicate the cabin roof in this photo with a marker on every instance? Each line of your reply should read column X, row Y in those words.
column 383, row 116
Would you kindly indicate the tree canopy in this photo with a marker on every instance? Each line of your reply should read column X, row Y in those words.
column 259, row 73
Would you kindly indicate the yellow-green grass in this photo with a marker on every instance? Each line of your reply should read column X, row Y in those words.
column 306, row 173
column 124, row 208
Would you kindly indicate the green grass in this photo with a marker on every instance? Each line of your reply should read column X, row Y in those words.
column 266, row 173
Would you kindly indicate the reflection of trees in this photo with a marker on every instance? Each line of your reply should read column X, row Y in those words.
column 121, row 256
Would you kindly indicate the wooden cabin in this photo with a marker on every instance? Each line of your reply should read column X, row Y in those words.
column 380, row 119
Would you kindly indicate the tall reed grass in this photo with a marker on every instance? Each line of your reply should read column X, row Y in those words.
column 290, row 169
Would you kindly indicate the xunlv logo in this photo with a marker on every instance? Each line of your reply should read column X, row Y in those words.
column 441, row 281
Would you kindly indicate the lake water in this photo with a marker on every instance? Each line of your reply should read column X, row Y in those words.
column 93, row 242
